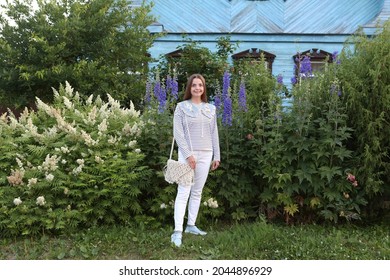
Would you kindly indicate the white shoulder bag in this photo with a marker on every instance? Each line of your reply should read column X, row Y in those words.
column 179, row 172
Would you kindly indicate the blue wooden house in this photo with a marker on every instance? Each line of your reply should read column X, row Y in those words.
column 277, row 28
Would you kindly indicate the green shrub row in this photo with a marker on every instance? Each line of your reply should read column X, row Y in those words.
column 80, row 162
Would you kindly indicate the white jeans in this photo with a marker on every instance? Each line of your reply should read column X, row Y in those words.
column 194, row 192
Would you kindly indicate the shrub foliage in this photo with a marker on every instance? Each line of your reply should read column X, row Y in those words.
column 70, row 164
column 323, row 158
column 97, row 46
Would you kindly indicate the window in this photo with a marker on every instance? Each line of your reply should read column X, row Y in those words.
column 318, row 59
column 255, row 54
column 175, row 54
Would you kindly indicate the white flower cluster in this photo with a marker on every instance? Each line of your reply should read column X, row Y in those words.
column 89, row 100
column 50, row 133
column 50, row 163
column 63, row 149
column 88, row 139
column 132, row 143
column 41, row 200
column 32, row 182
column 165, row 206
column 68, row 104
column 104, row 112
column 113, row 140
column 49, row 177
column 31, row 129
column 102, row 127
column 17, row 201
column 134, row 130
column 131, row 112
column 16, row 177
column 76, row 171
column 91, row 117
column 20, row 163
column 211, row 203
column 99, row 159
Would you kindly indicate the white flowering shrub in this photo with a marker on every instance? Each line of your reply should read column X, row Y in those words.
column 70, row 164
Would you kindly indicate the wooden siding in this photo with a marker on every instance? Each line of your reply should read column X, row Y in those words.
column 280, row 27
column 383, row 16
column 273, row 16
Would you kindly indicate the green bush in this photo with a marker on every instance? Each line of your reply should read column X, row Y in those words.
column 304, row 156
column 365, row 80
column 83, row 162
column 237, row 184
column 195, row 58
column 71, row 164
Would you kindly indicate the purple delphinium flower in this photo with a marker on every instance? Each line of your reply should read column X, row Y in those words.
column 242, row 97
column 174, row 88
column 162, row 99
column 217, row 102
column 217, row 98
column 227, row 111
column 157, row 89
column 294, row 80
column 225, row 85
column 305, row 68
column 335, row 56
column 280, row 79
column 168, row 83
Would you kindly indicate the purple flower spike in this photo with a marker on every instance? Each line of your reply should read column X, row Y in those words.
column 335, row 55
column 174, row 88
column 157, row 89
column 306, row 66
column 227, row 111
column 226, row 85
column 162, row 100
column 294, row 80
column 168, row 83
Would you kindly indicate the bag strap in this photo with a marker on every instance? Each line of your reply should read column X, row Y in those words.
column 173, row 144
column 189, row 137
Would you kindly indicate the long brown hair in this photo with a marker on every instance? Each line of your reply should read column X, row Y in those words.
column 187, row 93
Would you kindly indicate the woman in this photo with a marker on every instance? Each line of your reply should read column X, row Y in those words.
column 196, row 134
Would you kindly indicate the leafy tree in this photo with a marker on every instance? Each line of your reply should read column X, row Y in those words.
column 195, row 58
column 98, row 46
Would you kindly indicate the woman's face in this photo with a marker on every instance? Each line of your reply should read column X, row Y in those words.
column 197, row 87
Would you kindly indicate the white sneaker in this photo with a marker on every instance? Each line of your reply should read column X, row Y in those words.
column 195, row 230
column 176, row 238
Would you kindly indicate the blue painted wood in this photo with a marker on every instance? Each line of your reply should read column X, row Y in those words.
column 273, row 16
column 281, row 27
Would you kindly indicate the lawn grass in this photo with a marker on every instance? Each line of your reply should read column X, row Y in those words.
column 247, row 241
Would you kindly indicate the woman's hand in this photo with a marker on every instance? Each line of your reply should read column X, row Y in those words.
column 215, row 164
column 191, row 162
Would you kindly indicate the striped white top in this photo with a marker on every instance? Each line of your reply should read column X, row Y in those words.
column 202, row 126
